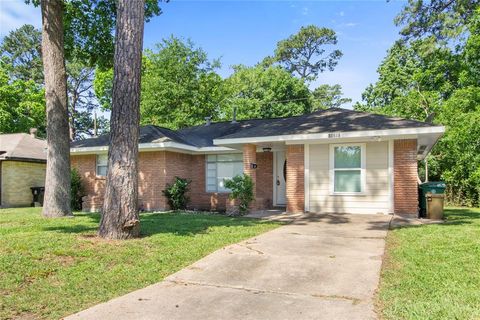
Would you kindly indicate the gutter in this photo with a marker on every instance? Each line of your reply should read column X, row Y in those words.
column 162, row 146
column 297, row 138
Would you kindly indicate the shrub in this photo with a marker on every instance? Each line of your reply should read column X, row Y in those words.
column 176, row 193
column 242, row 190
column 77, row 190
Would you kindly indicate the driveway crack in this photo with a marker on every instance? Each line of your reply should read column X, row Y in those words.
column 353, row 300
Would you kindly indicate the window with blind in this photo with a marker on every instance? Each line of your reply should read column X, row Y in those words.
column 220, row 167
column 102, row 160
column 347, row 168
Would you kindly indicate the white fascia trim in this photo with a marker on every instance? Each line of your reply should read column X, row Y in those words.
column 328, row 135
column 180, row 147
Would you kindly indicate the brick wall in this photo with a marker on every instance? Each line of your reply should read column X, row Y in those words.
column 94, row 185
column 156, row 169
column 405, row 176
column 17, row 179
column 295, row 178
column 264, row 180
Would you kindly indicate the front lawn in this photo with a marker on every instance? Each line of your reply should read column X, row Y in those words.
column 50, row 268
column 433, row 271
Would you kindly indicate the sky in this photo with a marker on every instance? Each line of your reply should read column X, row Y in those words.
column 244, row 32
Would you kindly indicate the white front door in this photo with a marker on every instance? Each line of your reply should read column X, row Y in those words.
column 280, row 171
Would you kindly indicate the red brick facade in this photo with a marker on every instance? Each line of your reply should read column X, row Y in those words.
column 405, row 176
column 295, row 178
column 157, row 168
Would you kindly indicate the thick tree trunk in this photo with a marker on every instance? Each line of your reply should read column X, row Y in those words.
column 57, row 182
column 120, row 219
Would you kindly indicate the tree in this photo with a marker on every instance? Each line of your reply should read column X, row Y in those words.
column 21, row 54
column 326, row 96
column 57, row 182
column 81, row 102
column 257, row 92
column 422, row 75
column 305, row 54
column 442, row 19
column 180, row 86
column 120, row 219
column 22, row 105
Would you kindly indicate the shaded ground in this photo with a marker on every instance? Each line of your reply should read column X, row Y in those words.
column 432, row 271
column 53, row 267
column 317, row 267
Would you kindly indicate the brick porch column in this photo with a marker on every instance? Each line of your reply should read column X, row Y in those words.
column 250, row 156
column 295, row 187
column 405, row 174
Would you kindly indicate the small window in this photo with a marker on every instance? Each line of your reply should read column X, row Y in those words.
column 102, row 160
column 222, row 167
column 347, row 168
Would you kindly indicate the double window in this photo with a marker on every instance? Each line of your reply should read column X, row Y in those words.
column 221, row 167
column 102, row 160
column 347, row 169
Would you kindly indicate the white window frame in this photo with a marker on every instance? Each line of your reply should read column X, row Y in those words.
column 363, row 151
column 216, row 172
column 97, row 165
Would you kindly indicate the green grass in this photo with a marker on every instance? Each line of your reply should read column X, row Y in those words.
column 433, row 271
column 50, row 268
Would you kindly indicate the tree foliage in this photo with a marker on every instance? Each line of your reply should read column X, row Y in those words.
column 307, row 53
column 421, row 75
column 21, row 54
column 259, row 92
column 179, row 85
column 89, row 29
column 22, row 104
column 326, row 96
column 443, row 19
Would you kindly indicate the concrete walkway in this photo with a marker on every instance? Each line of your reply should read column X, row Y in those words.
column 317, row 267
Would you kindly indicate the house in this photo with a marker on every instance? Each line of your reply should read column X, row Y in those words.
column 23, row 161
column 333, row 160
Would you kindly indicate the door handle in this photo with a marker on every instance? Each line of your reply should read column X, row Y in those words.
column 278, row 182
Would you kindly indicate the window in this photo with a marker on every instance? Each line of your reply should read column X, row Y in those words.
column 347, row 168
column 221, row 167
column 102, row 160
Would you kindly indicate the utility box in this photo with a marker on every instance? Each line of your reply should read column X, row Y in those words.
column 428, row 187
column 435, row 206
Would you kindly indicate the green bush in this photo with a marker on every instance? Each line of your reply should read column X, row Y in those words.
column 176, row 193
column 76, row 189
column 242, row 190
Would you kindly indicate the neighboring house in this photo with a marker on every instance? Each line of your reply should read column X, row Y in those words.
column 23, row 161
column 335, row 160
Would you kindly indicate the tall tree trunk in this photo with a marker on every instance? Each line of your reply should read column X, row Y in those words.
column 57, row 182
column 120, row 219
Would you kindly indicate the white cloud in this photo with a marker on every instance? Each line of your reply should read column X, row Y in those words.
column 341, row 13
column 15, row 13
column 351, row 24
column 305, row 11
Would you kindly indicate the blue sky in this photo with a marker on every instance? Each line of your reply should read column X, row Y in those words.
column 247, row 31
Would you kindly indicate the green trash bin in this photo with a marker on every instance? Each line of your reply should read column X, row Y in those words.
column 437, row 187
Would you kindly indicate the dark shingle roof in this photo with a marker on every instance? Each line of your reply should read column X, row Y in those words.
column 331, row 120
column 148, row 134
column 22, row 146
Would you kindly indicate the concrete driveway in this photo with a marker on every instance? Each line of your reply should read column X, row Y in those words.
column 316, row 267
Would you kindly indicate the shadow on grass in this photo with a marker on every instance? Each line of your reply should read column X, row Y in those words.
column 154, row 223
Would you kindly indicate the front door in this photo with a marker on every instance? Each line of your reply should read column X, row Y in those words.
column 280, row 172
